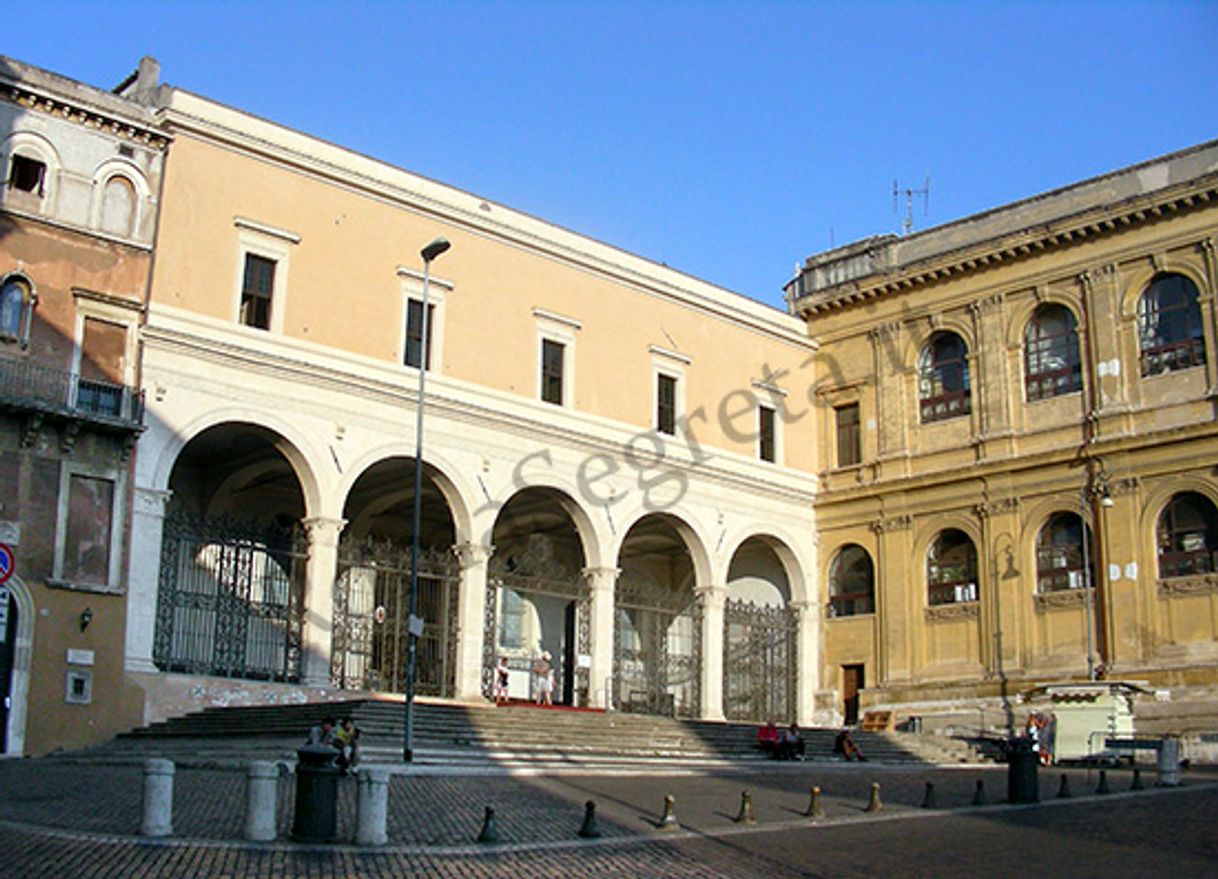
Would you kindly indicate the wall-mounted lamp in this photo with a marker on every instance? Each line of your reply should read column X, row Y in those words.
column 86, row 617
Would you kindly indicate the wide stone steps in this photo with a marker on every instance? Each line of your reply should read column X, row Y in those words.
column 472, row 736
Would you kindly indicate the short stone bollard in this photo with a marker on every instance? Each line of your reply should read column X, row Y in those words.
column 1102, row 787
column 1168, row 762
column 929, row 801
column 1063, row 790
column 489, row 832
column 980, row 798
column 746, row 809
column 261, row 786
column 372, row 805
column 158, row 798
column 815, row 810
column 668, row 821
column 589, row 829
column 874, row 804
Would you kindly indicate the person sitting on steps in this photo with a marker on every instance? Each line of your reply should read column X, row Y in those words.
column 845, row 746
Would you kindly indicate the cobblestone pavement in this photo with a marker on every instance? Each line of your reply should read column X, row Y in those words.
column 77, row 821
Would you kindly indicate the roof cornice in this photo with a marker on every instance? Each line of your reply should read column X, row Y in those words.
column 80, row 113
column 1005, row 249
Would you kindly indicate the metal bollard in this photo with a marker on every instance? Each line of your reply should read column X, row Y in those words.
column 261, row 786
column 1169, row 762
column 979, row 795
column 158, row 798
column 315, row 819
column 1136, row 784
column 1063, row 792
column 746, row 809
column 669, row 819
column 929, row 801
column 815, row 810
column 372, row 806
column 589, row 829
column 1102, row 787
column 489, row 833
column 874, row 804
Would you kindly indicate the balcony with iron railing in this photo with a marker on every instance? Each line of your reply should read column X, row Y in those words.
column 39, row 390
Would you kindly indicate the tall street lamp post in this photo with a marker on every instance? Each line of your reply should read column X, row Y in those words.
column 414, row 625
column 1094, row 491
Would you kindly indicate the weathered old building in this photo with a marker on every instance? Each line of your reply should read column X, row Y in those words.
column 78, row 210
column 1017, row 447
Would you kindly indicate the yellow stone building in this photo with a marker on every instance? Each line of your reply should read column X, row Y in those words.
column 990, row 391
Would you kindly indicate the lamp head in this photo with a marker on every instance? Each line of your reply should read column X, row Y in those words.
column 437, row 247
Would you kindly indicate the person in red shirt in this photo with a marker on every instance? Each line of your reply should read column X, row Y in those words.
column 769, row 738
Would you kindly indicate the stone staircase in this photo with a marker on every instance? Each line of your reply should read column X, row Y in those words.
column 449, row 736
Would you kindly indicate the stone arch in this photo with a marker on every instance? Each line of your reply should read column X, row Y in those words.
column 796, row 586
column 129, row 172
column 693, row 539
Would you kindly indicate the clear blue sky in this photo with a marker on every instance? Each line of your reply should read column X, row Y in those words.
column 726, row 139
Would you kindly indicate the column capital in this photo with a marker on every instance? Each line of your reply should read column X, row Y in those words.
column 151, row 501
column 601, row 578
column 711, row 594
column 324, row 530
column 470, row 554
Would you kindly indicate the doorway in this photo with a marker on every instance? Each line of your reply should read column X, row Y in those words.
column 853, row 680
column 8, row 632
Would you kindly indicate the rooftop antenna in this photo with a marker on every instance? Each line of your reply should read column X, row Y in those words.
column 907, row 225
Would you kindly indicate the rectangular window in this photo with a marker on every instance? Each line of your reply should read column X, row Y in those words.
column 256, row 290
column 552, row 354
column 414, row 332
column 26, row 175
column 849, row 438
column 765, row 433
column 87, row 541
column 666, row 404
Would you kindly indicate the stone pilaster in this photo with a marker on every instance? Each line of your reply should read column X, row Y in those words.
column 713, row 599
column 808, row 660
column 143, row 575
column 319, row 599
column 601, row 585
column 471, row 618
column 1209, row 315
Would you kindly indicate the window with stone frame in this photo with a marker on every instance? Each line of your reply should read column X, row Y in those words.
column 951, row 568
column 257, row 289
column 943, row 378
column 1170, row 332
column 87, row 542
column 17, row 301
column 1059, row 554
column 851, row 582
column 849, row 435
column 666, row 404
column 1051, row 357
column 553, row 355
column 767, row 440
column 27, row 174
column 1187, row 536
column 414, row 333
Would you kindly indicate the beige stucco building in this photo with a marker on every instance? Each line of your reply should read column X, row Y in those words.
column 984, row 389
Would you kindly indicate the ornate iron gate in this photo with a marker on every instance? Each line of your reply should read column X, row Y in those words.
column 230, row 598
column 657, row 650
column 536, row 571
column 759, row 662
column 371, row 605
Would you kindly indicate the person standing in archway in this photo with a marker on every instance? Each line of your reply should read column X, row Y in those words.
column 543, row 673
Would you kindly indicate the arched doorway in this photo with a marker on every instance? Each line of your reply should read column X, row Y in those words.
column 17, row 630
column 372, row 590
column 230, row 597
column 759, row 631
column 537, row 601
column 657, row 633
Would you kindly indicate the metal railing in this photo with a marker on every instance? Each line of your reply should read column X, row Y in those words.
column 29, row 385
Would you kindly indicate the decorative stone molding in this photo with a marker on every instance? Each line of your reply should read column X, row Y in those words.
column 895, row 523
column 471, row 554
column 939, row 613
column 601, row 578
column 150, row 501
column 84, row 116
column 996, row 508
column 324, row 532
column 1124, row 485
column 1199, row 584
column 1067, row 598
column 885, row 332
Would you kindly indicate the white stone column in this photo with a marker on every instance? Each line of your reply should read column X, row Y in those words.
column 807, row 659
column 713, row 599
column 319, row 599
column 261, row 785
column 601, row 584
column 471, row 618
column 143, row 575
column 158, row 798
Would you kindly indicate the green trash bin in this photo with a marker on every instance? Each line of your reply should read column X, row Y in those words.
column 315, row 818
column 1022, row 763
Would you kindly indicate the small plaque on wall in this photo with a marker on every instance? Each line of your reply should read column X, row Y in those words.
column 80, row 657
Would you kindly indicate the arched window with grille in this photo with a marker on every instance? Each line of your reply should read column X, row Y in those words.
column 1051, row 358
column 17, row 299
column 1187, row 536
column 1059, row 554
column 1170, row 334
column 951, row 568
column 851, row 582
column 943, row 378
